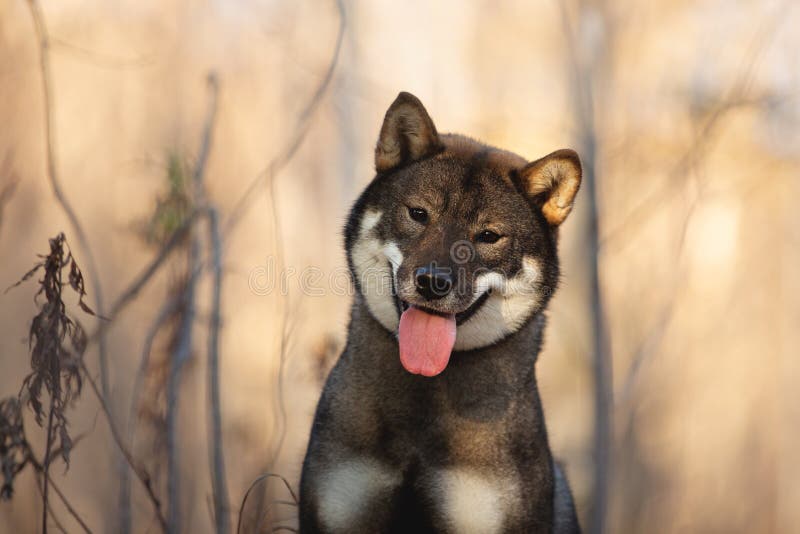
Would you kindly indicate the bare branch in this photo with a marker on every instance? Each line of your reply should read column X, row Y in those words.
column 270, row 174
column 140, row 472
column 37, row 465
column 168, row 309
column 7, row 191
column 67, row 505
column 208, row 132
column 49, row 509
column 253, row 485
column 220, row 490
column 301, row 129
column 180, row 356
column 183, row 347
column 100, row 59
column 47, row 459
column 583, row 95
column 286, row 332
column 133, row 289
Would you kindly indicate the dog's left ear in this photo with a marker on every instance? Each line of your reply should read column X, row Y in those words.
column 552, row 183
column 407, row 134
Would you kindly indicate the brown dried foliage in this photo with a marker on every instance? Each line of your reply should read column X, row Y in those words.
column 56, row 343
column 13, row 445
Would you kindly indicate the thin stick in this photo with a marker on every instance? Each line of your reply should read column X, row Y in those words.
column 169, row 308
column 46, row 467
column 270, row 173
column 300, row 131
column 100, row 59
column 140, row 472
column 583, row 79
column 219, row 487
column 7, row 191
column 133, row 289
column 180, row 355
column 49, row 509
column 253, row 485
column 69, row 506
column 37, row 465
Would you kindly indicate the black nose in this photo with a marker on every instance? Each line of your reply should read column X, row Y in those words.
column 433, row 282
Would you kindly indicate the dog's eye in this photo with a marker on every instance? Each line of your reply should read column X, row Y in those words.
column 418, row 214
column 487, row 236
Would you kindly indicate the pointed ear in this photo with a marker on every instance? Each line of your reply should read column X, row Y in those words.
column 552, row 183
column 407, row 134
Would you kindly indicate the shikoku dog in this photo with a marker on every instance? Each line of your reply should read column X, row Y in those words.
column 430, row 421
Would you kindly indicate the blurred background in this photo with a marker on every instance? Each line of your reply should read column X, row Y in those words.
column 669, row 377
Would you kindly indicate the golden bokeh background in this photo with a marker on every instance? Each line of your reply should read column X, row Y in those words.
column 688, row 112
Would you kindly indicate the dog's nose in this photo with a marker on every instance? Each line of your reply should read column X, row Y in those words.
column 433, row 282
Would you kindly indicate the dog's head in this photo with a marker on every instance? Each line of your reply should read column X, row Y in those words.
column 453, row 244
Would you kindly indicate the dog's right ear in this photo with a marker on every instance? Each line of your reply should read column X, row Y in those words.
column 407, row 134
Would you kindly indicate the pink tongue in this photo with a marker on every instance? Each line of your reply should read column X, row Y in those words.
column 426, row 341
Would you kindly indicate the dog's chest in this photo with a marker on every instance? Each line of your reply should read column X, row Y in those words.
column 456, row 499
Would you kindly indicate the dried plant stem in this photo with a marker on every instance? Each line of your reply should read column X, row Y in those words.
column 55, row 182
column 7, row 191
column 37, row 465
column 69, row 507
column 132, row 290
column 46, row 467
column 253, row 485
column 168, row 309
column 140, row 472
column 180, row 356
column 186, row 301
column 583, row 79
column 65, row 501
column 219, row 486
column 47, row 509
column 269, row 174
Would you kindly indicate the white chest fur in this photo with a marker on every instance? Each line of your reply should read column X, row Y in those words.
column 347, row 489
column 466, row 501
column 472, row 502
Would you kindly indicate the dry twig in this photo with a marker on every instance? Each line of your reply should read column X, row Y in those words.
column 140, row 472
column 583, row 79
column 55, row 182
column 296, row 140
column 253, row 485
column 220, row 490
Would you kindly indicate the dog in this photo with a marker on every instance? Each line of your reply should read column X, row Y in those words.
column 430, row 421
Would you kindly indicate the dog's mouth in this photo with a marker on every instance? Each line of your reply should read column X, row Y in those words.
column 461, row 317
column 427, row 336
